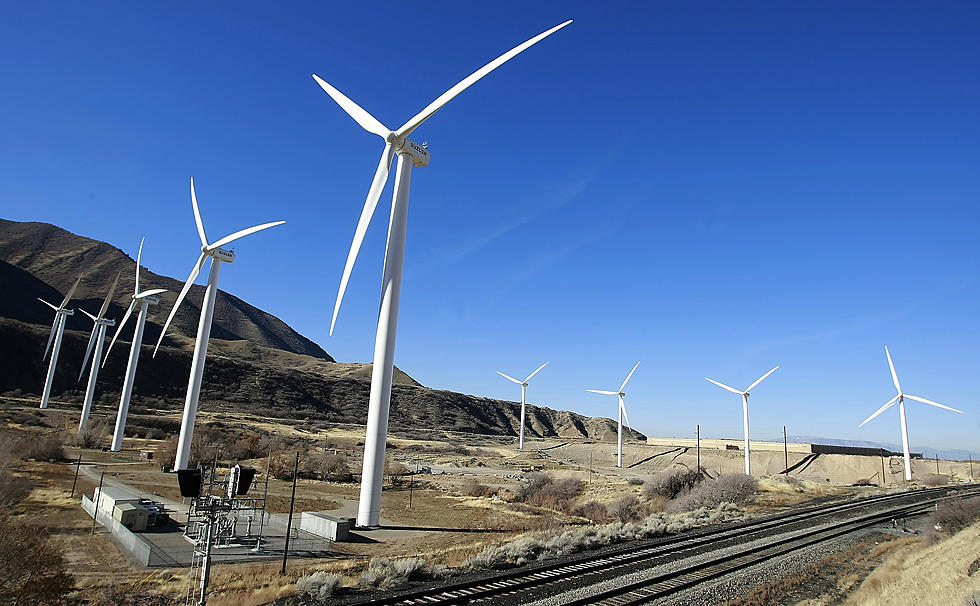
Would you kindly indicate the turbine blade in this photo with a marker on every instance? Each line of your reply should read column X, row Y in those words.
column 54, row 328
column 180, row 297
column 366, row 120
column 536, row 372
column 604, row 392
column 625, row 416
column 88, row 350
column 447, row 96
column 623, row 386
column 90, row 316
column 931, row 403
column 52, row 306
column 509, row 378
column 108, row 297
column 119, row 328
column 881, row 410
column 241, row 234
column 760, row 379
column 150, row 293
column 374, row 194
column 723, row 386
column 71, row 291
column 139, row 255
column 197, row 216
column 892, row 367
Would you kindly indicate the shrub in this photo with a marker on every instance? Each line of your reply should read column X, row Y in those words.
column 732, row 488
column 473, row 488
column 545, row 491
column 385, row 573
column 32, row 569
column 671, row 483
column 592, row 510
column 952, row 515
column 91, row 437
column 13, row 490
column 934, row 479
column 624, row 509
column 319, row 585
column 525, row 548
column 45, row 448
column 334, row 467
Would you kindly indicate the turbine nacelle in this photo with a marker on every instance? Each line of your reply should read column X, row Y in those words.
column 419, row 153
column 225, row 256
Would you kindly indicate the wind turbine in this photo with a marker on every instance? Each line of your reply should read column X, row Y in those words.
column 523, row 385
column 145, row 299
column 61, row 314
column 217, row 256
column 622, row 414
column 745, row 413
column 900, row 398
column 409, row 154
column 96, row 340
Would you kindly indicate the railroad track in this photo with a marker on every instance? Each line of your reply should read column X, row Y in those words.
column 588, row 568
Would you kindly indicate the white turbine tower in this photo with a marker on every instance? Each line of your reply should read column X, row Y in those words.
column 217, row 256
column 96, row 340
column 523, row 385
column 409, row 154
column 900, row 398
column 745, row 413
column 61, row 314
column 145, row 299
column 622, row 413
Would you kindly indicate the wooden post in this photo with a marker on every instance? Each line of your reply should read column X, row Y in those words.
column 77, row 465
column 699, row 448
column 95, row 514
column 289, row 522
column 882, row 466
column 785, row 453
column 937, row 464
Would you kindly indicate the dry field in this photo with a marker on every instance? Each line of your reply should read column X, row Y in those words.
column 440, row 517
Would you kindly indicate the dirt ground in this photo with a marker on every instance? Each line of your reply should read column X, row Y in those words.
column 427, row 515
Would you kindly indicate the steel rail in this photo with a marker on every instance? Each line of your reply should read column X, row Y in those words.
column 588, row 564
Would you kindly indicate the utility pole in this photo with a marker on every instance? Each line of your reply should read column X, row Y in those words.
column 785, row 452
column 98, row 499
column 77, row 465
column 289, row 522
column 699, row 448
column 971, row 466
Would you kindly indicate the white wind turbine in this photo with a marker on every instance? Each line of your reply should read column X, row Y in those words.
column 900, row 398
column 409, row 154
column 145, row 299
column 96, row 340
column 523, row 385
column 745, row 413
column 217, row 256
column 622, row 414
column 61, row 314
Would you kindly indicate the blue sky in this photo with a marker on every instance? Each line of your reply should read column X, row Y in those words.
column 713, row 189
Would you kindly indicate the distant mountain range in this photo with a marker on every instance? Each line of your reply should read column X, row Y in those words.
column 256, row 363
column 42, row 260
column 927, row 451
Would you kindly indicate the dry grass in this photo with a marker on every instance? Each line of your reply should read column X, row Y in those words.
column 920, row 574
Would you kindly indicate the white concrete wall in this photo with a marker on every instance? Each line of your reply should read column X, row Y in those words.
column 722, row 444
